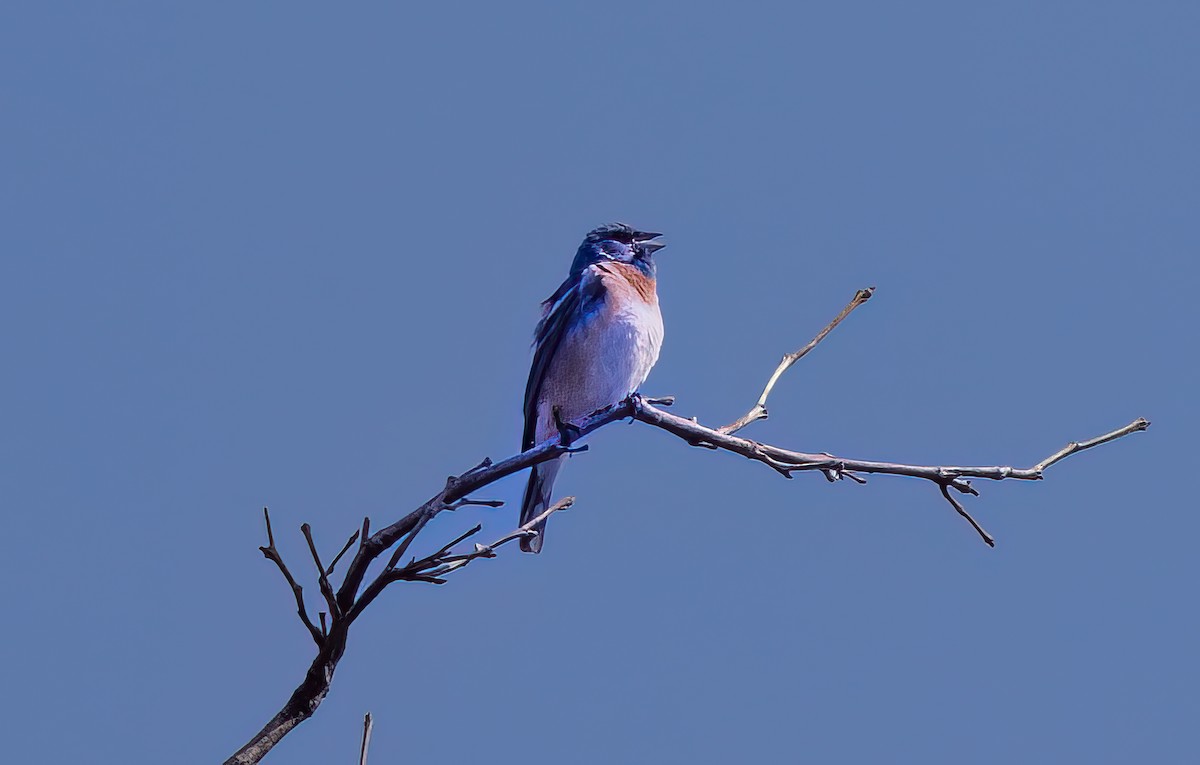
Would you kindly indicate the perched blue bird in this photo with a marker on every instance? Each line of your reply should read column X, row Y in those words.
column 599, row 336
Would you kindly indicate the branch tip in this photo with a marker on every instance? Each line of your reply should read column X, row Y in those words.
column 272, row 554
column 1138, row 425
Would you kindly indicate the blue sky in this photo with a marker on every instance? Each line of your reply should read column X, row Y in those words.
column 291, row 256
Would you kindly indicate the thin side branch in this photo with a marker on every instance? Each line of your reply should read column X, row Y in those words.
column 987, row 538
column 272, row 554
column 472, row 502
column 353, row 538
column 408, row 540
column 1140, row 423
column 759, row 410
column 326, row 590
column 431, row 568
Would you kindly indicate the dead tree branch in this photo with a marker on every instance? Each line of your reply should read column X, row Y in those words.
column 272, row 554
column 368, row 724
column 348, row 601
column 759, row 410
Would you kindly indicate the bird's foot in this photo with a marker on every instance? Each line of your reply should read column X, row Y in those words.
column 567, row 432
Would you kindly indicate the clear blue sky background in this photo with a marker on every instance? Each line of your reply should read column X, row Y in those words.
column 289, row 255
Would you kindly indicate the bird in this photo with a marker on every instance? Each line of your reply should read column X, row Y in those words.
column 600, row 334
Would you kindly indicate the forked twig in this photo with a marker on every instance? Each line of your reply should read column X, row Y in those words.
column 272, row 554
column 436, row 565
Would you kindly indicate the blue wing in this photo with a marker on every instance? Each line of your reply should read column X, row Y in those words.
column 573, row 299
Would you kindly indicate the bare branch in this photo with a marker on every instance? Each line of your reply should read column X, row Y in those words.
column 441, row 563
column 408, row 540
column 353, row 538
column 445, row 549
column 326, row 590
column 759, row 410
column 310, row 693
column 387, row 576
column 794, row 461
column 272, row 554
column 786, row 461
column 368, row 723
column 1140, row 423
column 987, row 538
column 348, row 602
column 484, row 474
column 468, row 502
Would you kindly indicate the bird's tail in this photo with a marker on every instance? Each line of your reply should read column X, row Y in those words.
column 537, row 499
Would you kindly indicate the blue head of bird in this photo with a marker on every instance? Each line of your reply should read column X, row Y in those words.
column 619, row 242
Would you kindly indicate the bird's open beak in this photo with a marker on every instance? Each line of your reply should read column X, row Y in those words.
column 643, row 240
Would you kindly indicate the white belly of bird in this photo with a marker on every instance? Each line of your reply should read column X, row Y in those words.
column 600, row 363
